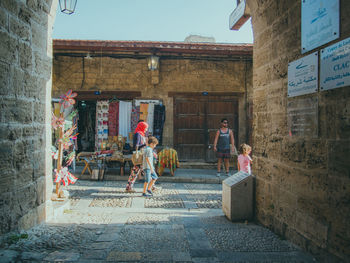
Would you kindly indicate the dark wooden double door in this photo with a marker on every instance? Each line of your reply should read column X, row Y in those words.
column 196, row 120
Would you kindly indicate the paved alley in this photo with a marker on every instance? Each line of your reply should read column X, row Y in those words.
column 182, row 222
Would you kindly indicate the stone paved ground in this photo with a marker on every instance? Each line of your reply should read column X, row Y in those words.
column 182, row 222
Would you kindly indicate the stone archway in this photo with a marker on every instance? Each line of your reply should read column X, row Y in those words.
column 302, row 183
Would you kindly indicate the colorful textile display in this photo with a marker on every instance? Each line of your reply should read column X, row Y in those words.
column 168, row 159
column 158, row 122
column 135, row 117
column 143, row 111
column 113, row 118
column 102, row 107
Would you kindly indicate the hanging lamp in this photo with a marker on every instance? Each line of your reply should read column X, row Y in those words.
column 68, row 6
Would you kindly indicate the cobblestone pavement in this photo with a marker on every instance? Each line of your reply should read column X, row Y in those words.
column 182, row 222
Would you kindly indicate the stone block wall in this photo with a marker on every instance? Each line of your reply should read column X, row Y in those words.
column 303, row 184
column 175, row 75
column 25, row 86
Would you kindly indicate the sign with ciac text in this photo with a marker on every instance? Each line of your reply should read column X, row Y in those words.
column 303, row 75
column 335, row 65
column 319, row 23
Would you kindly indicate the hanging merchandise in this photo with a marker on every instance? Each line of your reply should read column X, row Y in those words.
column 67, row 100
column 56, row 109
column 65, row 140
column 168, row 159
column 57, row 122
column 102, row 107
column 135, row 117
column 68, row 137
column 113, row 118
column 150, row 118
column 54, row 152
column 125, row 118
column 153, row 112
column 70, row 158
column 73, row 117
column 158, row 123
column 143, row 111
column 64, row 176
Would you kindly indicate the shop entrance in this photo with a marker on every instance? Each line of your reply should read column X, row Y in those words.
column 86, row 125
column 196, row 120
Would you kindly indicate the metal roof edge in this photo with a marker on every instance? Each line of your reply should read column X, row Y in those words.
column 152, row 46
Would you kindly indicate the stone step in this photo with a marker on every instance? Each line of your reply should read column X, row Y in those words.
column 197, row 165
column 202, row 165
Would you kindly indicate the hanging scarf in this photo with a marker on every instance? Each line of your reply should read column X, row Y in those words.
column 141, row 128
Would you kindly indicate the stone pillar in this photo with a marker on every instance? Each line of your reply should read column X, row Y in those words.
column 302, row 182
column 25, row 95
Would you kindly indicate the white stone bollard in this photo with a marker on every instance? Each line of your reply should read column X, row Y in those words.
column 237, row 196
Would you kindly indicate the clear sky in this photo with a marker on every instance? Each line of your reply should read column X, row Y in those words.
column 151, row 20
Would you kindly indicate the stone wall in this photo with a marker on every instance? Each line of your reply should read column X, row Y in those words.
column 175, row 75
column 25, row 86
column 303, row 183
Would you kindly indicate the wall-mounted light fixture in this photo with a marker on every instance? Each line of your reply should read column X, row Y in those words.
column 68, row 6
column 153, row 62
column 88, row 56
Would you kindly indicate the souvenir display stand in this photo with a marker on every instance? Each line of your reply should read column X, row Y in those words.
column 64, row 142
column 114, row 128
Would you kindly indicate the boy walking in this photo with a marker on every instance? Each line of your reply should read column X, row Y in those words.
column 148, row 167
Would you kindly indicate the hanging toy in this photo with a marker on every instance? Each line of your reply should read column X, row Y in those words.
column 68, row 99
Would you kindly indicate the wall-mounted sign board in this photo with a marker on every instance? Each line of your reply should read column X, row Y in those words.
column 335, row 65
column 303, row 75
column 239, row 16
column 319, row 23
column 302, row 117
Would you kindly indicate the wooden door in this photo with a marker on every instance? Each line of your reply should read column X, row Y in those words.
column 196, row 120
column 217, row 109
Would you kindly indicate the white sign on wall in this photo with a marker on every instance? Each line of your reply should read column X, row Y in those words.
column 335, row 65
column 319, row 23
column 302, row 116
column 239, row 16
column 303, row 75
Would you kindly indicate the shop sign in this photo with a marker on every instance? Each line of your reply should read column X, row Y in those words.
column 335, row 65
column 319, row 23
column 239, row 16
column 146, row 101
column 303, row 75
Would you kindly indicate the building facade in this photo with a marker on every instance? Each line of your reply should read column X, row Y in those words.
column 198, row 83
